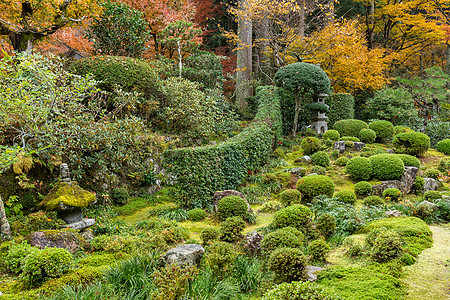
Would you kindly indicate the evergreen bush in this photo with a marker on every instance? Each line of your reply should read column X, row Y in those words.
column 350, row 139
column 289, row 197
column 209, row 234
column 392, row 194
column 350, row 127
column 359, row 168
column 318, row 250
column 413, row 143
column 120, row 196
column 433, row 173
column 326, row 224
column 297, row 216
column 444, row 146
column 367, row 136
column 320, row 159
column 431, row 196
column 196, row 214
column 373, row 201
column 387, row 166
column 383, row 129
column 332, row 135
column 231, row 206
column 363, row 188
column 409, row 160
column 284, row 237
column 319, row 170
column 231, row 229
column 342, row 161
column 346, row 197
column 315, row 185
column 289, row 264
column 310, row 145
column 418, row 184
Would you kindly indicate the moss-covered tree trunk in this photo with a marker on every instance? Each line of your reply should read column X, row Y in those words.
column 5, row 229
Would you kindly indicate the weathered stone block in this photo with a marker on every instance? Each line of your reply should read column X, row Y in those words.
column 189, row 254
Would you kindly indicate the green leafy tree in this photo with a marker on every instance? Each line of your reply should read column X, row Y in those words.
column 119, row 30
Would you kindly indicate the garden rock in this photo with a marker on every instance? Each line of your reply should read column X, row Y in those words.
column 312, row 174
column 293, row 181
column 431, row 185
column 297, row 171
column 378, row 189
column 426, row 207
column 5, row 229
column 305, row 159
column 55, row 239
column 188, row 254
column 358, row 146
column 252, row 243
column 221, row 194
column 312, row 272
column 390, row 151
column 393, row 213
column 340, row 146
column 408, row 179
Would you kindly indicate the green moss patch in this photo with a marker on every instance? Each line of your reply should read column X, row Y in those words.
column 70, row 194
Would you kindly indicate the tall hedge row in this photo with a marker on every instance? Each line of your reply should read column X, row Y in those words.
column 200, row 171
column 341, row 107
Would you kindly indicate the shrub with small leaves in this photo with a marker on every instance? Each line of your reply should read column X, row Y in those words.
column 231, row 206
column 367, row 136
column 349, row 145
column 387, row 166
column 318, row 249
column 297, row 216
column 196, row 214
column 319, row 170
column 350, row 127
column 392, row 194
column 363, row 188
column 359, row 168
column 444, row 146
column 315, row 185
column 220, row 257
column 320, row 159
column 120, row 196
column 271, row 206
column 288, row 264
column 289, row 197
column 16, row 256
column 383, row 129
column 326, row 224
column 413, row 143
column 433, row 173
column 409, row 160
column 431, row 196
column 231, row 229
column 355, row 248
column 298, row 290
column 386, row 245
column 209, row 234
column 346, row 197
column 284, row 237
column 332, row 135
column 310, row 145
column 342, row 161
column 334, row 154
column 373, row 201
column 418, row 184
column 401, row 129
column 350, row 139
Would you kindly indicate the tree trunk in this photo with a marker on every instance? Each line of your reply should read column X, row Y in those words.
column 21, row 41
column 5, row 229
column 180, row 63
column 448, row 59
column 302, row 19
column 298, row 104
column 244, row 60
column 264, row 58
column 370, row 24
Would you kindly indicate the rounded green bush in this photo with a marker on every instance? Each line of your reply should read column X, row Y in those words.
column 288, row 264
column 392, row 194
column 349, row 145
column 413, row 143
column 383, row 129
column 418, row 184
column 196, row 214
column 318, row 250
column 409, row 160
column 363, row 188
column 297, row 216
column 359, row 168
column 373, row 201
column 332, row 135
column 320, row 159
column 367, row 136
column 220, row 256
column 231, row 206
column 444, row 146
column 17, row 255
column 310, row 145
column 289, row 197
column 346, row 197
column 342, row 161
column 209, row 234
column 289, row 237
column 298, row 290
column 401, row 129
column 386, row 245
column 231, row 229
column 319, row 170
column 431, row 195
column 387, row 166
column 350, row 127
column 326, row 224
column 350, row 139
column 433, row 173
column 120, row 196
column 315, row 185
column 271, row 206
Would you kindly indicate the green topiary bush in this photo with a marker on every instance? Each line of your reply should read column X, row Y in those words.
column 363, row 188
column 315, row 185
column 231, row 229
column 209, row 235
column 342, row 161
column 433, row 173
column 120, row 196
column 401, row 129
column 392, row 194
column 288, row 264
column 387, row 166
column 290, row 197
column 297, row 216
column 359, row 168
column 346, row 197
column 383, row 129
column 271, row 206
column 301, row 290
column 17, row 255
column 318, row 250
column 220, row 257
column 289, row 237
column 349, row 139
column 310, row 145
column 231, row 206
column 413, row 143
column 350, row 127
column 319, row 170
column 367, row 136
column 326, row 224
column 444, row 146
column 320, row 159
column 418, row 185
column 196, row 214
column 386, row 245
column 332, row 135
column 431, row 196
column 373, row 201
column 409, row 160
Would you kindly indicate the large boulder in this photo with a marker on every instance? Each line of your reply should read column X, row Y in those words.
column 408, row 179
column 378, row 189
column 222, row 194
column 431, row 185
column 68, row 240
column 5, row 229
column 312, row 272
column 252, row 243
column 188, row 254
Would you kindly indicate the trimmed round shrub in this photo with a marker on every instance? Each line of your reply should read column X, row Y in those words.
column 319, row 170
column 383, row 129
column 220, row 256
column 46, row 263
column 231, row 229
column 17, row 255
column 346, row 197
column 289, row 237
column 231, row 206
column 289, row 197
column 297, row 216
column 320, row 159
column 431, row 195
column 349, row 145
column 392, row 194
column 271, row 206
column 367, row 136
column 332, row 135
column 209, row 234
column 326, row 224
column 359, row 168
column 350, row 139
column 387, row 166
column 373, row 201
column 289, row 264
column 363, row 188
column 342, row 161
column 196, row 214
column 310, row 145
column 386, row 245
column 418, row 184
column 444, row 146
column 298, row 290
column 433, row 173
column 315, row 185
column 120, row 196
column 318, row 250
column 413, row 143
column 401, row 129
column 409, row 160
column 350, row 127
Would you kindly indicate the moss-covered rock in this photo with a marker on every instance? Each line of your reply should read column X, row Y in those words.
column 66, row 194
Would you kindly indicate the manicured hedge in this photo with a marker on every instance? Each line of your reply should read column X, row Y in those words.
column 341, row 107
column 444, row 146
column 350, row 127
column 413, row 143
column 387, row 166
column 201, row 171
column 383, row 129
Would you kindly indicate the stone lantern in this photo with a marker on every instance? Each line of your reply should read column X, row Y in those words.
column 319, row 120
